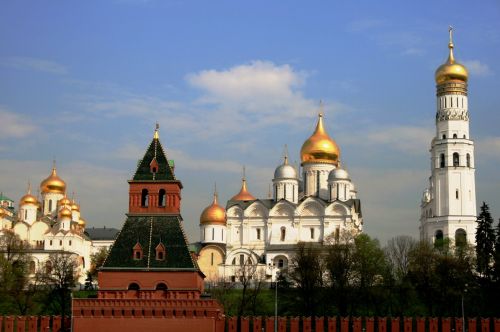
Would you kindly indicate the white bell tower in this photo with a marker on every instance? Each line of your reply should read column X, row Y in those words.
column 448, row 208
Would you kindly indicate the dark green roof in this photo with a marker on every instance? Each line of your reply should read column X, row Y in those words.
column 149, row 231
column 143, row 172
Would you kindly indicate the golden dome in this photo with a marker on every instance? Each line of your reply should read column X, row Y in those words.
column 53, row 184
column 65, row 213
column 65, row 201
column 213, row 214
column 451, row 70
column 244, row 194
column 28, row 198
column 82, row 223
column 320, row 147
column 75, row 206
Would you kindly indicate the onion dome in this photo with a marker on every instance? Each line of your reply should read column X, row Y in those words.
column 65, row 213
column 82, row 223
column 75, row 206
column 53, row 184
column 65, row 201
column 320, row 147
column 28, row 198
column 338, row 174
column 213, row 214
column 285, row 171
column 244, row 194
column 451, row 70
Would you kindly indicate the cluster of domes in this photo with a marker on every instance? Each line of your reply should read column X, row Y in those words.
column 320, row 148
column 451, row 70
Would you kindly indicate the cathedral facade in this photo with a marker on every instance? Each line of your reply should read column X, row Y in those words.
column 315, row 206
column 448, row 206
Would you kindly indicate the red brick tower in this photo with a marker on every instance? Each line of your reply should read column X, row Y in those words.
column 149, row 272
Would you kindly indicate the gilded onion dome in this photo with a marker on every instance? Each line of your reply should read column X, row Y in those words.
column 28, row 198
column 451, row 70
column 82, row 223
column 213, row 214
column 65, row 201
column 244, row 194
column 53, row 184
column 320, row 147
column 65, row 213
column 75, row 206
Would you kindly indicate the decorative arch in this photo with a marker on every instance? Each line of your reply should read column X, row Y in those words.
column 234, row 211
column 234, row 257
column 310, row 207
column 460, row 237
column 282, row 209
column 134, row 286
column 337, row 209
column 161, row 286
column 256, row 209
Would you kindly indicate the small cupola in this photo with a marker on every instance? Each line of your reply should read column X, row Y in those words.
column 137, row 251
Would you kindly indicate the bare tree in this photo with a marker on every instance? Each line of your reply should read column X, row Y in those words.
column 397, row 252
column 251, row 279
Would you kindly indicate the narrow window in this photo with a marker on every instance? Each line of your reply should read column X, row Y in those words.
column 242, row 259
column 160, row 252
column 212, row 259
column 444, row 136
column 213, row 234
column 50, row 242
column 281, row 263
column 439, row 236
column 283, row 233
column 456, row 159
column 312, row 232
column 25, row 214
column 161, row 197
column 441, row 160
column 60, row 242
column 468, row 160
column 258, row 233
column 465, row 136
column 460, row 238
column 70, row 242
column 144, row 198
column 337, row 234
column 456, row 194
column 276, row 191
column 83, row 262
column 455, row 136
column 204, row 233
column 317, row 183
column 305, row 184
column 48, row 267
column 234, row 261
column 50, row 205
column 284, row 191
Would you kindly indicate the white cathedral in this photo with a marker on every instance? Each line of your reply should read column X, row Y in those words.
column 318, row 206
column 448, row 207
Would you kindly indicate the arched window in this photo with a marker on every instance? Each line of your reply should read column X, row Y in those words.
column 283, row 234
column 456, row 159
column 161, row 197
column 465, row 136
column 258, row 233
column 455, row 136
column 468, row 160
column 161, row 286
column 441, row 160
column 32, row 267
column 460, row 237
column 444, row 136
column 456, row 194
column 438, row 238
column 212, row 258
column 48, row 267
column 144, row 198
column 134, row 286
column 281, row 263
column 234, row 261
column 83, row 262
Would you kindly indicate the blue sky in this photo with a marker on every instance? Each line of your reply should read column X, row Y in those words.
column 230, row 83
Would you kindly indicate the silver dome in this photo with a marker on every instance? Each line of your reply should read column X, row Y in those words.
column 338, row 174
column 285, row 171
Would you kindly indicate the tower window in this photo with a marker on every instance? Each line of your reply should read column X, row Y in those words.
column 456, row 194
column 144, row 198
column 50, row 205
column 283, row 234
column 25, row 214
column 213, row 233
column 242, row 259
column 438, row 236
column 161, row 286
column 456, row 159
column 441, row 160
column 133, row 286
column 161, row 197
column 468, row 160
column 312, row 232
column 281, row 263
column 455, row 136
column 460, row 237
column 258, row 233
column 160, row 252
column 212, row 259
column 137, row 251
column 444, row 136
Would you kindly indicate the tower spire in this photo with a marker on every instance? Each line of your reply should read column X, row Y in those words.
column 157, row 127
column 451, row 57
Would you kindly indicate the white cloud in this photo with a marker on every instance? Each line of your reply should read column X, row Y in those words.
column 14, row 125
column 29, row 63
column 477, row 68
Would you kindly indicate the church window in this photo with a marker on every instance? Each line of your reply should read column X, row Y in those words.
column 50, row 242
column 276, row 191
column 204, row 233
column 25, row 214
column 284, row 191
column 134, row 286
column 305, row 183
column 32, row 267
column 161, row 197
column 234, row 261
column 160, row 252
column 441, row 160
column 456, row 194
column 317, row 183
column 212, row 258
column 283, row 234
column 337, row 234
column 70, row 242
column 281, row 263
column 465, row 136
column 455, row 136
column 312, row 232
column 50, row 205
column 444, row 136
column 83, row 262
column 468, row 160
column 137, row 251
column 60, row 242
column 438, row 238
column 161, row 286
column 258, row 233
column 456, row 160
column 144, row 198
column 213, row 234
column 242, row 259
column 460, row 237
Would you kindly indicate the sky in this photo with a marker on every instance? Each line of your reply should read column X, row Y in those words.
column 230, row 83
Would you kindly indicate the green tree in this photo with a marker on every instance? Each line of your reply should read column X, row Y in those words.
column 496, row 256
column 339, row 264
column 485, row 242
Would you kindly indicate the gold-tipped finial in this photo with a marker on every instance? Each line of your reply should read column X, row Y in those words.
column 451, row 70
column 215, row 193
column 320, row 147
column 156, row 135
column 321, row 108
column 451, row 57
